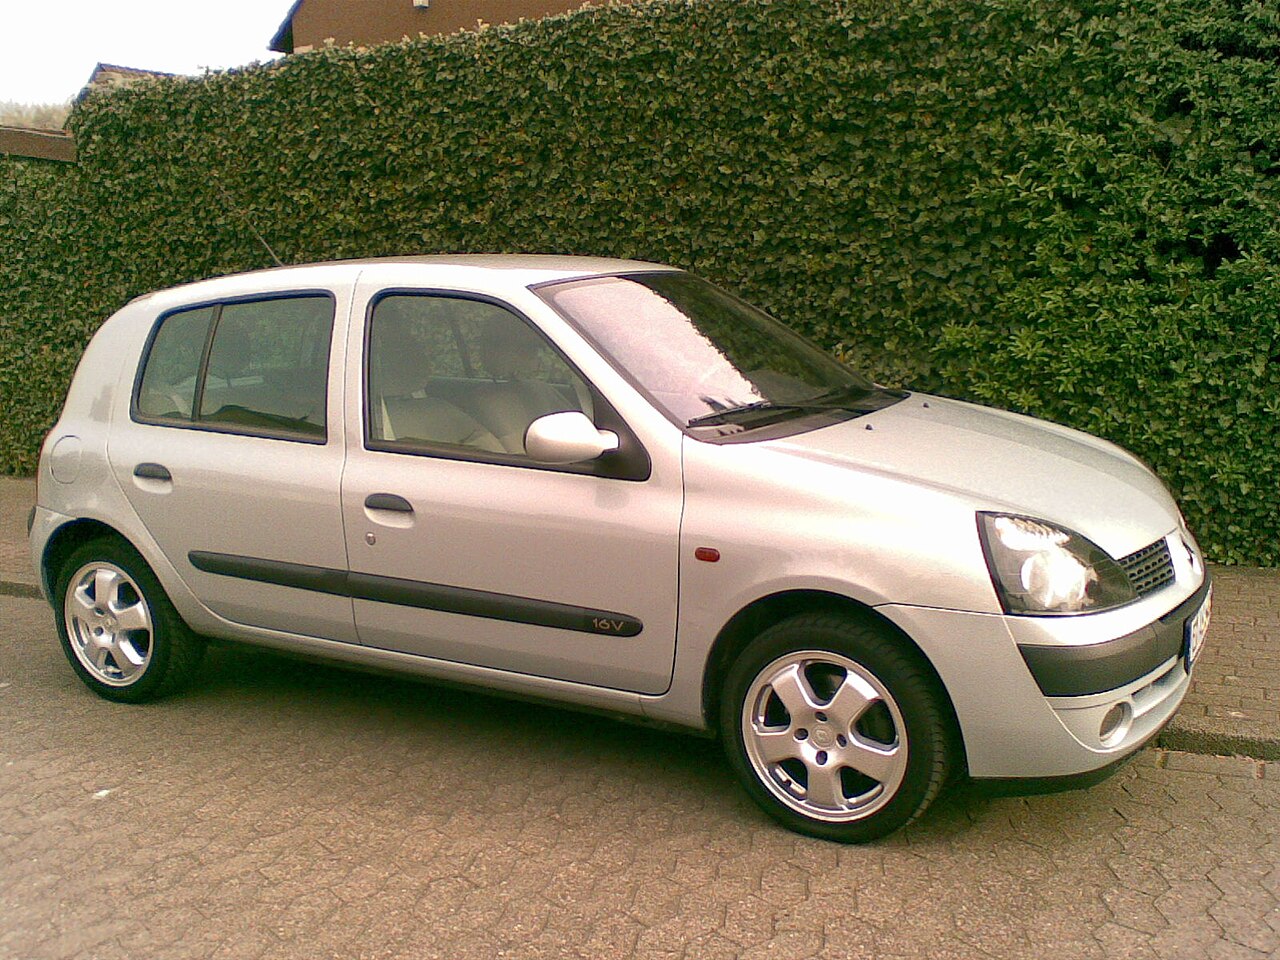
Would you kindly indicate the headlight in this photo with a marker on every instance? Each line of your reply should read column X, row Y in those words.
column 1040, row 568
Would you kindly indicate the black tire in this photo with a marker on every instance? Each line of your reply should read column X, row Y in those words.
column 889, row 717
column 153, row 652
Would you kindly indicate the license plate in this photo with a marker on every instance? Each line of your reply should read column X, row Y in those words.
column 1196, row 630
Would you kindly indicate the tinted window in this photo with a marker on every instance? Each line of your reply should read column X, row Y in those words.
column 461, row 373
column 268, row 365
column 169, row 384
column 265, row 371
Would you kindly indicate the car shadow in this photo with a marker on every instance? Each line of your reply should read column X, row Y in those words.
column 369, row 706
column 373, row 705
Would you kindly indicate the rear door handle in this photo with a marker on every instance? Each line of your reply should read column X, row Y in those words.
column 388, row 501
column 152, row 471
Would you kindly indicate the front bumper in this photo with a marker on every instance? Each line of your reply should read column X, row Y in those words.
column 1044, row 697
column 1082, row 670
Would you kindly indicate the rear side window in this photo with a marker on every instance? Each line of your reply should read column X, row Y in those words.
column 257, row 367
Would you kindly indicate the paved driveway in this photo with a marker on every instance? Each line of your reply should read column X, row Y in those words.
column 289, row 810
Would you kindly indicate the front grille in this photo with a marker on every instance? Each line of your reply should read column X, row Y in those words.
column 1149, row 568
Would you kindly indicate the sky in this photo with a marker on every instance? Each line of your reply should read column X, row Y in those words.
column 48, row 48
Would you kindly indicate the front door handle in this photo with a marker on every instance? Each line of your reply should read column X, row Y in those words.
column 388, row 501
column 152, row 471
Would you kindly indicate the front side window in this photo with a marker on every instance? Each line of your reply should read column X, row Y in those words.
column 450, row 372
column 705, row 358
column 258, row 367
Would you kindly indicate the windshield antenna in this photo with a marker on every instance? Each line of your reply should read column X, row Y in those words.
column 231, row 204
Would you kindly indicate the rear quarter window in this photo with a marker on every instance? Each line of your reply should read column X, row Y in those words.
column 168, row 387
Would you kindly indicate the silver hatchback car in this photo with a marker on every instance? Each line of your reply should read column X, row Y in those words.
column 610, row 484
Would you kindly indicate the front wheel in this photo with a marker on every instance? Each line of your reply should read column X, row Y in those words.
column 835, row 729
column 119, row 631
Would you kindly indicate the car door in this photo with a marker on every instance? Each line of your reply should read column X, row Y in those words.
column 231, row 454
column 461, row 547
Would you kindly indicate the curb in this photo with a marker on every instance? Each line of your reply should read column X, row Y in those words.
column 13, row 588
column 1214, row 743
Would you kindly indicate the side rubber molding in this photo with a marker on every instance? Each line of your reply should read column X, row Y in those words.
column 1077, row 671
column 414, row 593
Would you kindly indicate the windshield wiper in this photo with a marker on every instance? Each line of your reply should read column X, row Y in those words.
column 730, row 413
column 852, row 398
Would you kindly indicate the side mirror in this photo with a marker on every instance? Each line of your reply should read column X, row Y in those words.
column 568, row 437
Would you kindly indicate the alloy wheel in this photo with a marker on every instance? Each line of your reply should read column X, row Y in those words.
column 825, row 736
column 108, row 623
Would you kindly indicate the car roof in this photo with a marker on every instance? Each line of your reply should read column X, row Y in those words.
column 506, row 269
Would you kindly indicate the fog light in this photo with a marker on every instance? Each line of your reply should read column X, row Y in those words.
column 1115, row 724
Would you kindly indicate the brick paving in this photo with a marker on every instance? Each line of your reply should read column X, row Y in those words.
column 287, row 810
column 1234, row 703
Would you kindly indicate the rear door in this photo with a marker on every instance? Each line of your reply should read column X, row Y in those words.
column 462, row 548
column 232, row 456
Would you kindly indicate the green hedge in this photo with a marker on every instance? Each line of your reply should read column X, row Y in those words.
column 1066, row 208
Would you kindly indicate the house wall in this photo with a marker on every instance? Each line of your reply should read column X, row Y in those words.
column 376, row 21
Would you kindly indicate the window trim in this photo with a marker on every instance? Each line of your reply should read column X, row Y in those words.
column 629, row 462
column 245, row 430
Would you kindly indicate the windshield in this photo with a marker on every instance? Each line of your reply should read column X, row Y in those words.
column 702, row 355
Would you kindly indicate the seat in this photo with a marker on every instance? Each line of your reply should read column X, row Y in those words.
column 430, row 420
column 507, row 408
column 401, row 411
column 509, row 353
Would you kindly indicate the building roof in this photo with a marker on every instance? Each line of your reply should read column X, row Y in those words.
column 114, row 75
column 282, row 42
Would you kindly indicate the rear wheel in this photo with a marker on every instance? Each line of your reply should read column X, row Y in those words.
column 118, row 629
column 835, row 729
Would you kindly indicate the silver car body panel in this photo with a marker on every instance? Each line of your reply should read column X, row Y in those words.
column 244, row 495
column 1009, row 462
column 592, row 542
column 879, row 510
